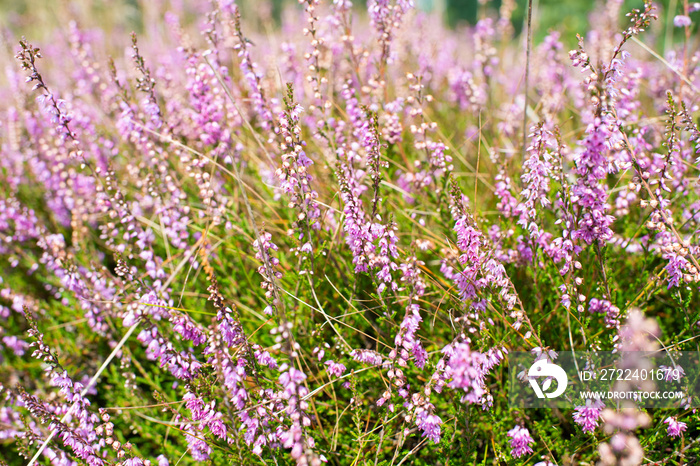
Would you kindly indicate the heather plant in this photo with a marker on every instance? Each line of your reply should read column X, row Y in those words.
column 318, row 243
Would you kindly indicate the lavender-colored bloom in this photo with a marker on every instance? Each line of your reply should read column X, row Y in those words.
column 264, row 358
column 385, row 16
column 589, row 192
column 535, row 178
column 673, row 373
column 133, row 462
column 392, row 128
column 603, row 306
column 208, row 102
column 293, row 174
column 638, row 334
column 467, row 369
column 78, row 432
column 182, row 364
column 409, row 326
column 187, row 328
column 507, row 204
column 355, row 223
column 17, row 345
column 420, row 355
column 253, row 77
column 682, row 21
column 520, row 441
column 199, row 449
column 429, row 424
column 293, row 393
column 382, row 256
column 268, row 268
column 469, row 241
column 335, row 369
column 373, row 244
column 676, row 267
column 205, row 415
column 481, row 269
column 468, row 91
column 675, row 427
column 587, row 416
column 367, row 357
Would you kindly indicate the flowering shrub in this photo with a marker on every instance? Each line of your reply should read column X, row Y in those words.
column 317, row 244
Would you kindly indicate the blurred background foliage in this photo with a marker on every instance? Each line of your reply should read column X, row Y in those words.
column 568, row 16
column 37, row 19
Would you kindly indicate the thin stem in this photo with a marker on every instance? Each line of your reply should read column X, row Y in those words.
column 88, row 386
column 527, row 72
